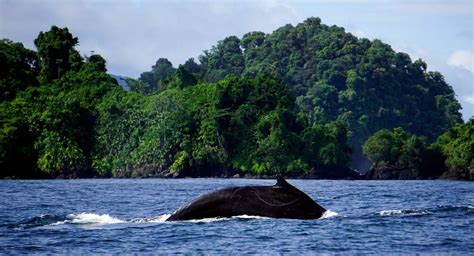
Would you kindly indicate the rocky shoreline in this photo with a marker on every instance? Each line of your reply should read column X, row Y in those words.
column 375, row 173
column 394, row 173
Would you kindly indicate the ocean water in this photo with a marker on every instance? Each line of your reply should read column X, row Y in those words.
column 122, row 216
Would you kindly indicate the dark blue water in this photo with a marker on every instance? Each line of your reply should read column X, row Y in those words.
column 126, row 216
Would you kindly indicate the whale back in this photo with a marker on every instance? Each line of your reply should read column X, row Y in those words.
column 281, row 200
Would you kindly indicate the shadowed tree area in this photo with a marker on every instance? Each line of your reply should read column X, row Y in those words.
column 18, row 69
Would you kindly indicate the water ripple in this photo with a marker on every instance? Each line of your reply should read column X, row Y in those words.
column 128, row 217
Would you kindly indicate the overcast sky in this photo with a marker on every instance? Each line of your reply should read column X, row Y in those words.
column 133, row 34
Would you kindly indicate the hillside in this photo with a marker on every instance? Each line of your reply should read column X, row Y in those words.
column 334, row 76
column 300, row 101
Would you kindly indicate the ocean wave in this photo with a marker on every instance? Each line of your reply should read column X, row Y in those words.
column 404, row 212
column 158, row 219
column 328, row 214
column 463, row 208
column 208, row 220
column 245, row 216
column 105, row 219
column 89, row 219
column 94, row 219
column 37, row 221
column 427, row 211
column 216, row 219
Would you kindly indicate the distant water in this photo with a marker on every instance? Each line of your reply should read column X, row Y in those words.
column 127, row 216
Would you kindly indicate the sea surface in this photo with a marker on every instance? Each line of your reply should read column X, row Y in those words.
column 124, row 216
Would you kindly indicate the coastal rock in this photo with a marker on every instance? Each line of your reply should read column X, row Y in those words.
column 392, row 173
column 333, row 174
column 456, row 175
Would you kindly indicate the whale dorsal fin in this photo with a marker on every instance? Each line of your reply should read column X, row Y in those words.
column 282, row 183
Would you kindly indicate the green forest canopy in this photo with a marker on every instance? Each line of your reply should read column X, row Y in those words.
column 285, row 102
column 334, row 76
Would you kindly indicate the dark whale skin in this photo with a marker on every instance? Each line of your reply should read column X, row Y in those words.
column 281, row 200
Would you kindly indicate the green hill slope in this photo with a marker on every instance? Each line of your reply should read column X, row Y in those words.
column 337, row 76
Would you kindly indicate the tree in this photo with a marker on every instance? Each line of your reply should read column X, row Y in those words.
column 139, row 86
column 17, row 154
column 302, row 97
column 326, row 145
column 98, row 62
column 182, row 78
column 18, row 69
column 224, row 59
column 55, row 49
column 457, row 144
column 384, row 147
column 59, row 155
column 404, row 156
column 337, row 76
column 191, row 66
column 159, row 74
column 252, row 40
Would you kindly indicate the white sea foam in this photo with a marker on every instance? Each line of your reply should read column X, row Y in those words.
column 158, row 219
column 390, row 212
column 245, row 216
column 208, row 220
column 328, row 214
column 90, row 219
column 215, row 219
column 105, row 219
column 403, row 212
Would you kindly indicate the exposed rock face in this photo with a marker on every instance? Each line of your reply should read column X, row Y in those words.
column 328, row 173
column 457, row 175
column 334, row 173
column 392, row 173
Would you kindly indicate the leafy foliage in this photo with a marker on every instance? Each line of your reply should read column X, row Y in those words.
column 18, row 69
column 56, row 53
column 48, row 130
column 237, row 124
column 458, row 146
column 286, row 102
column 336, row 76
column 159, row 74
column 182, row 78
column 451, row 156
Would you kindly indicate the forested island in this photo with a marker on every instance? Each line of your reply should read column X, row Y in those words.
column 310, row 101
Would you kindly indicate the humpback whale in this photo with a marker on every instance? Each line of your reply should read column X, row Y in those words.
column 281, row 200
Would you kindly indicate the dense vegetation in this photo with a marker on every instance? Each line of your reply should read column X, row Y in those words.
column 457, row 145
column 396, row 155
column 73, row 120
column 289, row 102
column 334, row 76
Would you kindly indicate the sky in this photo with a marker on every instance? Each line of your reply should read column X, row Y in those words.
column 132, row 34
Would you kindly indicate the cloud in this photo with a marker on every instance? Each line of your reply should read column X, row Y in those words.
column 469, row 99
column 462, row 59
column 132, row 35
column 462, row 82
column 414, row 50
